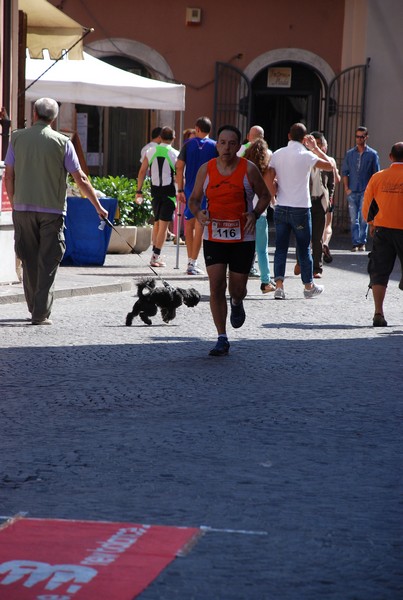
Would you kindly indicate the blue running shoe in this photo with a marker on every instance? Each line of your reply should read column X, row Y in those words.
column 221, row 348
column 238, row 316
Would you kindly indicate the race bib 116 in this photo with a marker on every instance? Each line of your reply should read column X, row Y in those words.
column 226, row 230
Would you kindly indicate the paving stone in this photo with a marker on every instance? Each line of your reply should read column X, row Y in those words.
column 288, row 449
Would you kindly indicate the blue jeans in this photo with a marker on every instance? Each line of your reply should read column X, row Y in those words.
column 262, row 250
column 297, row 220
column 359, row 227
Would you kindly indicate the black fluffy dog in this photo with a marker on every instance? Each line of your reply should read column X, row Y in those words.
column 167, row 299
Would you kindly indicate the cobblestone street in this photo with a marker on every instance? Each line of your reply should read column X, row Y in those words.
column 288, row 451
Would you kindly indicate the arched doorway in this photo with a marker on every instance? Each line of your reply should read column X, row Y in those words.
column 115, row 136
column 125, row 131
column 307, row 90
column 302, row 99
column 252, row 98
column 285, row 93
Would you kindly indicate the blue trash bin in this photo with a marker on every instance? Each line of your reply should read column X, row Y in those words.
column 85, row 243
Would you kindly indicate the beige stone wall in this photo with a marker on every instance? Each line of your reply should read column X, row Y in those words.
column 230, row 31
column 354, row 33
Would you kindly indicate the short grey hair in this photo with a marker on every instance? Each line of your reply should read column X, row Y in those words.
column 47, row 109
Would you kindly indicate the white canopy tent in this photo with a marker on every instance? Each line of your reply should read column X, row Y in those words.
column 94, row 82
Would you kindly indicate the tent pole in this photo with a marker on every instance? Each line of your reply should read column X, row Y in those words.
column 178, row 207
column 100, row 140
column 178, row 231
column 180, row 138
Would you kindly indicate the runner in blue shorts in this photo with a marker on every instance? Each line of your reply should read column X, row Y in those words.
column 194, row 153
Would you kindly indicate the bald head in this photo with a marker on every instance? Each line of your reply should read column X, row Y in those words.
column 255, row 133
column 396, row 154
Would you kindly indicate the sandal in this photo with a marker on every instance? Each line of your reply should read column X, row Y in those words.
column 267, row 287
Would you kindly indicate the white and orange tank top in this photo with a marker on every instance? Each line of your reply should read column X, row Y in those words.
column 228, row 198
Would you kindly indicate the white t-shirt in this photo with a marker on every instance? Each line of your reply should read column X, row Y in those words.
column 293, row 165
column 145, row 148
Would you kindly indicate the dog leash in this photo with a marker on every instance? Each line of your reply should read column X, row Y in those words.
column 133, row 251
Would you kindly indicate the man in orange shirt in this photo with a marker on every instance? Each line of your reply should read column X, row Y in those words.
column 383, row 210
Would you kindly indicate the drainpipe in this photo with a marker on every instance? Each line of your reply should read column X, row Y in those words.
column 6, row 67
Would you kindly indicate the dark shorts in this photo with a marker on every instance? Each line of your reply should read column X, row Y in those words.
column 387, row 244
column 163, row 202
column 238, row 255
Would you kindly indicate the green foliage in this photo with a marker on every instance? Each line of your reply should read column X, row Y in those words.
column 124, row 190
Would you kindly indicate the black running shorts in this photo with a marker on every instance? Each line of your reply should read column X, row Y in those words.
column 237, row 255
column 163, row 202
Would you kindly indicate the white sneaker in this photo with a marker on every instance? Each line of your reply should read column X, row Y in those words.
column 254, row 272
column 194, row 270
column 314, row 291
column 279, row 294
column 42, row 322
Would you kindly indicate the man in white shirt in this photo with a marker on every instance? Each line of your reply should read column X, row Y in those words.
column 155, row 140
column 288, row 181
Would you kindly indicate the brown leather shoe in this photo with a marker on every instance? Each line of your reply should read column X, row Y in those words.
column 267, row 287
column 297, row 269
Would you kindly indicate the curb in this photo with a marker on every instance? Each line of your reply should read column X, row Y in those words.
column 70, row 292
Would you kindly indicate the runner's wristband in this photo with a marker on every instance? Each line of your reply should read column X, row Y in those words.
column 180, row 191
column 139, row 192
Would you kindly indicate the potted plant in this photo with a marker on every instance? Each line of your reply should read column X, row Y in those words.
column 132, row 220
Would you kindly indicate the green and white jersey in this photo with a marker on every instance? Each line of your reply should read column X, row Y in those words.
column 161, row 160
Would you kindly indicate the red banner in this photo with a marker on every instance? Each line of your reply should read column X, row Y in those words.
column 81, row 560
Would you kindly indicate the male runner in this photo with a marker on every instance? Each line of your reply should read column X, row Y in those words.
column 161, row 161
column 229, row 184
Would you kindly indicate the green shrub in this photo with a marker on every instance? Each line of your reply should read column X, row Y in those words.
column 124, row 190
